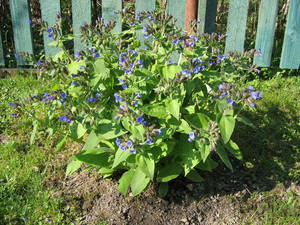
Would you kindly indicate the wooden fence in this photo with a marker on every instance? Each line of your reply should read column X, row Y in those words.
column 236, row 25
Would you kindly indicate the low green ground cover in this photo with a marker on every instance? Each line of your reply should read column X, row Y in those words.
column 271, row 155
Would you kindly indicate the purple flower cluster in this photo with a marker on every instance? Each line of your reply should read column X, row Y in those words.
column 65, row 119
column 125, row 144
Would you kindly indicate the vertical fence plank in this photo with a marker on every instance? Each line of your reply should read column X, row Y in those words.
column 82, row 13
column 236, row 25
column 2, row 59
column 290, row 56
column 108, row 9
column 177, row 9
column 21, row 28
column 49, row 9
column 266, row 31
column 202, row 15
column 141, row 5
column 207, row 12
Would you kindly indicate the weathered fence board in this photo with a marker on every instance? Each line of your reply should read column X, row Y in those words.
column 207, row 10
column 141, row 5
column 177, row 9
column 236, row 25
column 21, row 28
column 265, row 32
column 81, row 12
column 109, row 8
column 2, row 59
column 49, row 9
column 290, row 57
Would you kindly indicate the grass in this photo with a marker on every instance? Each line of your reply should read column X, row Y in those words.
column 271, row 156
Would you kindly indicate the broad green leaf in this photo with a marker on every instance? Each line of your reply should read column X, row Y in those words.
column 92, row 141
column 99, row 66
column 137, row 131
column 73, row 166
column 208, row 165
column 32, row 136
column 170, row 71
column 61, row 143
column 198, row 120
column 139, row 182
column 155, row 110
column 193, row 175
column 74, row 67
column 187, row 152
column 77, row 130
column 109, row 130
column 173, row 107
column 120, row 156
column 95, row 157
column 146, row 164
column 184, row 127
column 162, row 150
column 226, row 124
column 106, row 172
column 163, row 189
column 220, row 106
column 169, row 172
column 124, row 181
column 234, row 149
column 205, row 151
column 59, row 56
column 223, row 156
column 245, row 121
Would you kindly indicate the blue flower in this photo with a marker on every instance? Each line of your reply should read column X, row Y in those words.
column 118, row 141
column 145, row 29
column 224, row 95
column 117, row 97
column 63, row 118
column 29, row 21
column 170, row 62
column 50, row 30
column 62, row 102
column 114, row 12
column 252, row 104
column 197, row 69
column 191, row 43
column 222, row 57
column 141, row 63
column 124, row 86
column 11, row 104
column 16, row 55
column 149, row 141
column 175, row 41
column 146, row 36
column 128, row 72
column 76, row 54
column 191, row 136
column 132, row 24
column 96, row 55
column 230, row 101
column 200, row 20
column 139, row 95
column 91, row 99
column 159, row 131
column 81, row 67
column 131, row 66
column 135, row 102
column 256, row 95
column 117, row 117
column 129, row 143
column 97, row 95
column 220, row 87
column 25, row 218
column 131, row 51
column 63, row 95
column 132, row 151
column 138, row 16
column 35, row 95
column 73, row 82
column 140, row 120
column 250, row 88
column 49, row 220
column 186, row 72
column 13, row 114
column 39, row 63
column 123, row 147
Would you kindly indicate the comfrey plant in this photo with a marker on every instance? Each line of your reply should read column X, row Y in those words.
column 151, row 101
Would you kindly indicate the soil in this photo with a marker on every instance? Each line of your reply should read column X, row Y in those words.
column 217, row 200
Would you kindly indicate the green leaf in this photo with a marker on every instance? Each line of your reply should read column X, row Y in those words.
column 77, row 130
column 173, row 107
column 99, row 66
column 109, row 130
column 32, row 136
column 205, row 151
column 74, row 67
column 137, row 131
column 198, row 120
column 92, row 141
column 169, row 172
column 95, row 157
column 125, row 181
column 139, row 182
column 146, row 164
column 170, row 71
column 234, row 149
column 223, row 156
column 73, row 166
column 61, row 143
column 162, row 150
column 163, row 189
column 245, row 121
column 184, row 127
column 155, row 110
column 120, row 156
column 208, row 165
column 193, row 175
column 226, row 124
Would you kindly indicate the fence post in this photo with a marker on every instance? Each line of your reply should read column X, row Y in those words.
column 265, row 32
column 81, row 13
column 49, row 9
column 290, row 57
column 108, row 9
column 21, row 28
column 236, row 25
